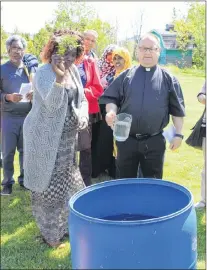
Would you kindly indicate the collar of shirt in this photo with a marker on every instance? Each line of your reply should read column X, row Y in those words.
column 148, row 69
column 20, row 66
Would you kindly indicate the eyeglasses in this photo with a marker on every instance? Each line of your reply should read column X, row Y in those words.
column 144, row 49
column 16, row 49
column 91, row 40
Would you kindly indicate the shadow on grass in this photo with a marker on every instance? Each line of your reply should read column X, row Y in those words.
column 21, row 248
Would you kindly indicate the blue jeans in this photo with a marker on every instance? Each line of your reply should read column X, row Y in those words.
column 12, row 139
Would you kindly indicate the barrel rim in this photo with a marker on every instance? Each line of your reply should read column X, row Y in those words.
column 125, row 181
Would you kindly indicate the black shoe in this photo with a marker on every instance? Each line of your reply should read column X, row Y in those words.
column 7, row 190
column 23, row 186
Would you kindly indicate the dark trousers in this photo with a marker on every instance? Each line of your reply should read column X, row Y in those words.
column 84, row 143
column 146, row 153
column 12, row 138
column 85, row 166
column 139, row 173
column 102, row 148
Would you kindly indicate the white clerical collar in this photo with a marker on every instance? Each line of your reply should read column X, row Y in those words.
column 148, row 69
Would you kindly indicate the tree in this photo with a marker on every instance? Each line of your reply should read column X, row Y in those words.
column 78, row 15
column 191, row 29
column 39, row 41
column 106, row 33
column 73, row 14
column 137, row 29
column 16, row 31
column 4, row 37
column 128, row 44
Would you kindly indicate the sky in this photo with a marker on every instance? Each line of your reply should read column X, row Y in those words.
column 31, row 16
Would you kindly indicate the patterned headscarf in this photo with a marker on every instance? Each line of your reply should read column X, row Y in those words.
column 124, row 53
column 104, row 66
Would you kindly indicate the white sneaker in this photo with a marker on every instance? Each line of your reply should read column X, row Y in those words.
column 200, row 205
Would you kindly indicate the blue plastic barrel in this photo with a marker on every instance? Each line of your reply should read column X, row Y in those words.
column 133, row 224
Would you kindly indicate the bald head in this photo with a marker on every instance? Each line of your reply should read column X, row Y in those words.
column 150, row 37
column 90, row 32
column 149, row 50
column 90, row 38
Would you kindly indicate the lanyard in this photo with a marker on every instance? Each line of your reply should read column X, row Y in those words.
column 27, row 73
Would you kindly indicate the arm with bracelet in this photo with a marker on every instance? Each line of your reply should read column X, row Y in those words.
column 177, row 111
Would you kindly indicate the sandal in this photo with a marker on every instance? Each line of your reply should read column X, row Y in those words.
column 57, row 244
column 200, row 205
column 66, row 235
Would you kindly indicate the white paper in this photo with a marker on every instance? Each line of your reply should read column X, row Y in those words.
column 25, row 88
column 169, row 133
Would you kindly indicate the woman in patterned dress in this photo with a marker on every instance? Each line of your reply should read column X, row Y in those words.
column 50, row 132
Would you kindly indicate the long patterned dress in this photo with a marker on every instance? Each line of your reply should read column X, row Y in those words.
column 50, row 208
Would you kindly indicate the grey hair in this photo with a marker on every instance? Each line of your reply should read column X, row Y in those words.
column 13, row 38
column 91, row 32
column 150, row 35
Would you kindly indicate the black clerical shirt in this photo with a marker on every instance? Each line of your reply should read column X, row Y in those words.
column 150, row 95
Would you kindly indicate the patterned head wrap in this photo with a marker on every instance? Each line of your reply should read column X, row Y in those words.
column 104, row 66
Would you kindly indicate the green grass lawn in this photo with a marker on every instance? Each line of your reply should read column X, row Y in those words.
column 22, row 249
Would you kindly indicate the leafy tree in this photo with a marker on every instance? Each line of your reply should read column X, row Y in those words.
column 191, row 29
column 29, row 40
column 4, row 37
column 106, row 33
column 31, row 47
column 39, row 41
column 16, row 31
column 76, row 15
column 73, row 14
column 80, row 16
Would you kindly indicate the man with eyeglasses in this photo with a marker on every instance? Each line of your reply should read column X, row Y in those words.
column 17, row 70
column 150, row 94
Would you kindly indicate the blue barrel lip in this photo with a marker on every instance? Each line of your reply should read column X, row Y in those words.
column 126, row 181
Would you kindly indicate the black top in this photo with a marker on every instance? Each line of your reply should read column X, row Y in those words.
column 149, row 95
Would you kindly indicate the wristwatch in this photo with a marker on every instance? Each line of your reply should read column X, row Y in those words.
column 179, row 135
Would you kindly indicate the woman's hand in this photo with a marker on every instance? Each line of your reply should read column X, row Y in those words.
column 202, row 98
column 110, row 118
column 58, row 67
column 83, row 122
column 15, row 97
column 29, row 95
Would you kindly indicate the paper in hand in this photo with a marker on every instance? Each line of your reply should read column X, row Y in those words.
column 169, row 133
column 25, row 88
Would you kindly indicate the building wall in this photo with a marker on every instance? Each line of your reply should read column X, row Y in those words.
column 162, row 58
column 179, row 58
column 170, row 41
column 169, row 54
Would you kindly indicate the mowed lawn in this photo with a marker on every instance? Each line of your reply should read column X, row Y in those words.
column 21, row 247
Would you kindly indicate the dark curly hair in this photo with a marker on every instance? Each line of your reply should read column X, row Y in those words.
column 52, row 45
